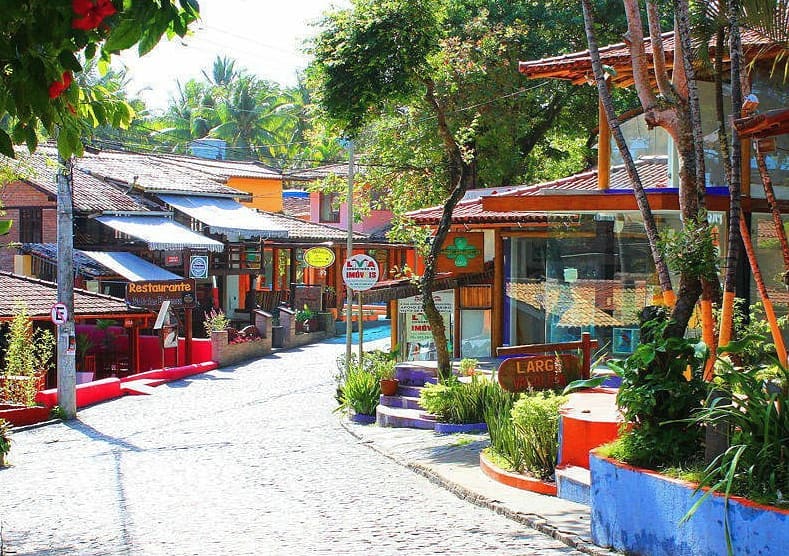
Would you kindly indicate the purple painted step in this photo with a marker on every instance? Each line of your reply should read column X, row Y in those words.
column 409, row 391
column 402, row 418
column 406, row 402
column 415, row 373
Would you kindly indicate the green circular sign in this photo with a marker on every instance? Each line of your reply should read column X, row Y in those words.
column 319, row 257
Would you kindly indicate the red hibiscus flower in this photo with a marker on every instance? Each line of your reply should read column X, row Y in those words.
column 57, row 88
column 91, row 14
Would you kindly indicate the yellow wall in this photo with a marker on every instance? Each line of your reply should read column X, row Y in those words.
column 266, row 192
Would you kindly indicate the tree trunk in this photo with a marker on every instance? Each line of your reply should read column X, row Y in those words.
column 463, row 177
column 638, row 189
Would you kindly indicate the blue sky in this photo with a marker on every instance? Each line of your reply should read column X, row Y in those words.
column 264, row 36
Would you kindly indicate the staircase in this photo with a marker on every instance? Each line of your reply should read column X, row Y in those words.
column 403, row 410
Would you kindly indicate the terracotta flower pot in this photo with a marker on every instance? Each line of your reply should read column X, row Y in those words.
column 389, row 386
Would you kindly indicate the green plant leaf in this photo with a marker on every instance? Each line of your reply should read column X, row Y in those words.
column 5, row 226
column 6, row 147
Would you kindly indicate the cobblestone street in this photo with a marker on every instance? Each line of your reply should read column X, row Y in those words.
column 242, row 460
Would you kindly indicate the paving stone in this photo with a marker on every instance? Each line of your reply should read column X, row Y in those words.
column 243, row 460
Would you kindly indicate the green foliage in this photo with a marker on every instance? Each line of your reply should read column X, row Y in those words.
column 751, row 325
column 536, row 418
column 304, row 314
column 30, row 354
column 467, row 366
column 655, row 397
column 5, row 440
column 756, row 464
column 215, row 321
column 691, row 251
column 39, row 52
column 361, row 391
column 505, row 441
column 453, row 401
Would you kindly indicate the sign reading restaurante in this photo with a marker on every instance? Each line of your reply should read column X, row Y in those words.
column 151, row 294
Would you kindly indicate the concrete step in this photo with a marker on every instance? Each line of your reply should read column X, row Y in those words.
column 573, row 483
column 406, row 402
column 402, row 418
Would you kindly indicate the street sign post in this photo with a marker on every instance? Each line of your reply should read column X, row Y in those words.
column 360, row 272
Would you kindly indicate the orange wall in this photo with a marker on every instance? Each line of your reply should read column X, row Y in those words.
column 266, row 192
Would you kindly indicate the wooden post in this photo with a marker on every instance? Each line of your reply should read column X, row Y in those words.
column 603, row 148
column 497, row 318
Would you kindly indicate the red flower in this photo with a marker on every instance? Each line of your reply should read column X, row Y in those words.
column 91, row 13
column 57, row 88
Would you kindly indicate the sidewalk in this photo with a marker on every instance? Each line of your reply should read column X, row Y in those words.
column 453, row 462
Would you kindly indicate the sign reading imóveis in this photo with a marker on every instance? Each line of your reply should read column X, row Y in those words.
column 360, row 272
column 151, row 294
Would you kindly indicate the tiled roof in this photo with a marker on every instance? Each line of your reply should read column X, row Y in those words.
column 296, row 207
column 39, row 296
column 305, row 230
column 90, row 194
column 223, row 169
column 653, row 173
column 83, row 264
column 154, row 174
column 577, row 66
column 340, row 169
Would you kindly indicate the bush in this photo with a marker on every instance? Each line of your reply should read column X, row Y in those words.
column 756, row 464
column 656, row 399
column 535, row 417
column 30, row 354
column 361, row 391
column 505, row 441
column 215, row 321
column 456, row 402
column 5, row 440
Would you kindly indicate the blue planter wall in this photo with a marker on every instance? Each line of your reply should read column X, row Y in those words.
column 639, row 512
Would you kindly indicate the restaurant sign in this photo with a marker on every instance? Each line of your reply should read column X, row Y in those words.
column 537, row 372
column 152, row 293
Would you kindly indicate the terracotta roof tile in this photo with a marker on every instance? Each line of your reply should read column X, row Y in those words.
column 154, row 174
column 306, row 230
column 223, row 169
column 90, row 194
column 653, row 173
column 39, row 296
column 296, row 207
column 309, row 174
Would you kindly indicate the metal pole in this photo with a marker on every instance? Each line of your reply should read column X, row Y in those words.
column 348, row 254
column 67, row 377
column 361, row 327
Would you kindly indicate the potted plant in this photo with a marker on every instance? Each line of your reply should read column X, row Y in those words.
column 385, row 369
column 5, row 440
column 306, row 320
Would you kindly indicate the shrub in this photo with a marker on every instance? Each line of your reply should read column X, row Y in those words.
column 536, row 418
column 505, row 441
column 656, row 399
column 467, row 366
column 215, row 321
column 361, row 391
column 756, row 464
column 30, row 354
column 456, row 402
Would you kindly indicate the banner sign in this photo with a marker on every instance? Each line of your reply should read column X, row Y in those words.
column 151, row 294
column 319, row 257
column 537, row 372
column 444, row 300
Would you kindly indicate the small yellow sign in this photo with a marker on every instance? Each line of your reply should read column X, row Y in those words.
column 319, row 257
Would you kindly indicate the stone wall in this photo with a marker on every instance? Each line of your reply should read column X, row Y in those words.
column 225, row 353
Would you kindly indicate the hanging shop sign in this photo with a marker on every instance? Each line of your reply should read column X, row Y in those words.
column 538, row 372
column 152, row 294
column 319, row 257
column 462, row 253
column 198, row 266
column 360, row 272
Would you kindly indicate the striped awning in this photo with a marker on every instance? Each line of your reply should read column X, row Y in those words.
column 161, row 233
column 226, row 216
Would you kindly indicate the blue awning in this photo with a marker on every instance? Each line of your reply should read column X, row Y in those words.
column 226, row 216
column 130, row 266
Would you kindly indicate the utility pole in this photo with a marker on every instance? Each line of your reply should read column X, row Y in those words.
column 349, row 254
column 67, row 377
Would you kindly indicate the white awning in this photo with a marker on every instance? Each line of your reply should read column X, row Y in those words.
column 130, row 266
column 161, row 233
column 226, row 216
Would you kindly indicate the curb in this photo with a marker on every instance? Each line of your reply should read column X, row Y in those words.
column 534, row 521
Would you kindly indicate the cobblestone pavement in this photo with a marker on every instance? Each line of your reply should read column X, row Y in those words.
column 241, row 460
